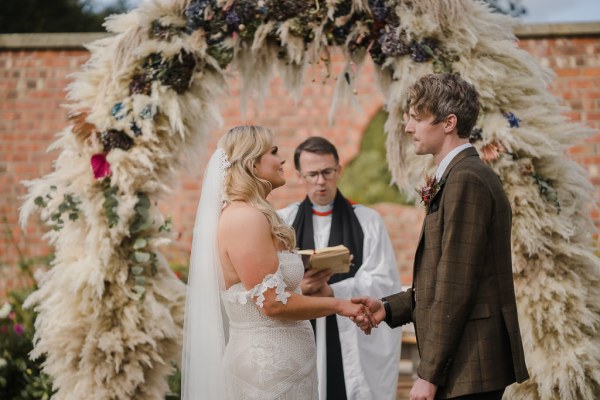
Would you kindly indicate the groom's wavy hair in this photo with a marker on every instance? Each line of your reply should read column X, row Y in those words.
column 244, row 145
column 445, row 94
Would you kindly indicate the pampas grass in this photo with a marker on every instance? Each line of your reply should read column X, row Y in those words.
column 102, row 339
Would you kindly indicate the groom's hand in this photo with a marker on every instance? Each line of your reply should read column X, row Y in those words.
column 376, row 313
column 422, row 390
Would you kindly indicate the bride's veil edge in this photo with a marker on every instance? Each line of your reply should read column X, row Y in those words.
column 205, row 321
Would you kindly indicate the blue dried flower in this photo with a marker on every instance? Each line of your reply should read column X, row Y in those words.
column 118, row 111
column 137, row 131
column 512, row 119
column 149, row 111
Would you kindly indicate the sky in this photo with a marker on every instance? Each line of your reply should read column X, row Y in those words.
column 538, row 11
column 556, row 11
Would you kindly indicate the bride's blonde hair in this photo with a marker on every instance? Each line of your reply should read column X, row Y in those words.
column 244, row 145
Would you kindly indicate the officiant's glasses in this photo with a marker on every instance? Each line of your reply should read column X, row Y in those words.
column 313, row 176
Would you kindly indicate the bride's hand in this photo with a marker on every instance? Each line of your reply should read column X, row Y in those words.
column 352, row 311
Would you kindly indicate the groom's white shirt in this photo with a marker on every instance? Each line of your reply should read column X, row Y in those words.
column 371, row 363
column 448, row 159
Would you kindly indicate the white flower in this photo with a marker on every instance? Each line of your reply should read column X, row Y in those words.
column 5, row 310
column 3, row 362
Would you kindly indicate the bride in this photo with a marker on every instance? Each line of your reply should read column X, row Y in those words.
column 247, row 334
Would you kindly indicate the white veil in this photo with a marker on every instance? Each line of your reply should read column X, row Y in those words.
column 205, row 322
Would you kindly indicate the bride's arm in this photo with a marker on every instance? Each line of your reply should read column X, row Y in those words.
column 245, row 234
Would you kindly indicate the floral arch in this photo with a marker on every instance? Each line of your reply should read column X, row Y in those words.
column 110, row 310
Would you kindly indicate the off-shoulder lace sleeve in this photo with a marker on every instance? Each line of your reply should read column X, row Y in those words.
column 269, row 282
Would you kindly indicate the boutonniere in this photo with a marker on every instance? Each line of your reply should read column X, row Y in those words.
column 430, row 189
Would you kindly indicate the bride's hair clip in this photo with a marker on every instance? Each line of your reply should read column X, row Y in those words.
column 224, row 164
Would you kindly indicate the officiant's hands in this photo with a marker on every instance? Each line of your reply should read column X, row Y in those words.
column 314, row 283
column 374, row 315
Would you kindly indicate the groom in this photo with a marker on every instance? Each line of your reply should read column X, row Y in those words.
column 462, row 301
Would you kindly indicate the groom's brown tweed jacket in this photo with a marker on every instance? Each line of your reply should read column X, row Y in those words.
column 464, row 307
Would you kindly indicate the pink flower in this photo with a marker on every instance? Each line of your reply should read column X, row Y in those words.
column 491, row 151
column 18, row 328
column 100, row 166
column 12, row 315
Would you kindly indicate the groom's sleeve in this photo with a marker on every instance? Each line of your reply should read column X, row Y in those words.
column 400, row 308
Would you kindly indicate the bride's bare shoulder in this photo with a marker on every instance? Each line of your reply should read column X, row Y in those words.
column 242, row 215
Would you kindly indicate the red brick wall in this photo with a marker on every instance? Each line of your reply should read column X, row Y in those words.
column 576, row 63
column 32, row 86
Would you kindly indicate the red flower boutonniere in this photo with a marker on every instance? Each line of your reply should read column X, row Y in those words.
column 430, row 189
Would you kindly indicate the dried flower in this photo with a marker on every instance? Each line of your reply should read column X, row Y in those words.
column 491, row 151
column 430, row 189
column 423, row 51
column 140, row 84
column 115, row 139
column 178, row 74
column 5, row 310
column 476, row 135
column 18, row 329
column 392, row 44
column 81, row 128
column 100, row 166
column 512, row 119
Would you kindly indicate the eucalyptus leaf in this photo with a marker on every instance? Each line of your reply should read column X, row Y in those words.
column 141, row 256
column 140, row 243
column 137, row 270
column 140, row 280
column 39, row 201
column 143, row 201
column 139, row 290
column 73, row 216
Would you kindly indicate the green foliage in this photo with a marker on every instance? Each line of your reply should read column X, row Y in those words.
column 110, row 203
column 24, row 16
column 366, row 179
column 20, row 377
column 174, row 381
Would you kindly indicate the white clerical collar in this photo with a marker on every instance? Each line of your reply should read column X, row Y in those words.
column 448, row 159
column 322, row 211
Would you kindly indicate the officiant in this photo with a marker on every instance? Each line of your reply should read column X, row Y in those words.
column 350, row 365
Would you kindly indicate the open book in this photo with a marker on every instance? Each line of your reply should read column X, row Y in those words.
column 336, row 258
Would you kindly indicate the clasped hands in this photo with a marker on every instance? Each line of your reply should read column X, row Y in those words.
column 373, row 315
column 367, row 317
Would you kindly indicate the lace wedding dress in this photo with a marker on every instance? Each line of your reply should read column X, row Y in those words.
column 268, row 358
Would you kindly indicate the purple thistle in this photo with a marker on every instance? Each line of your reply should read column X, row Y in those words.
column 18, row 329
column 391, row 43
column 379, row 9
column 232, row 19
column 195, row 14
